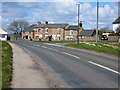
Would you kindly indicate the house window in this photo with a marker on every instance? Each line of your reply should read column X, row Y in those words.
column 53, row 37
column 71, row 38
column 58, row 37
column 71, row 31
column 46, row 30
column 39, row 30
column 23, row 32
column 67, row 38
column 59, row 30
column 3, row 36
column 36, row 37
column 46, row 36
column 30, row 32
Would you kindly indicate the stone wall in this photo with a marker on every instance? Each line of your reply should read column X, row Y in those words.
column 113, row 38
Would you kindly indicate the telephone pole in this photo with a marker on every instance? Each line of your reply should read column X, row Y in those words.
column 97, row 21
column 78, row 23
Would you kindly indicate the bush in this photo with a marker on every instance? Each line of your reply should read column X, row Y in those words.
column 114, row 34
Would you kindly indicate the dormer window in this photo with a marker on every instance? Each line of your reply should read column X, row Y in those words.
column 46, row 30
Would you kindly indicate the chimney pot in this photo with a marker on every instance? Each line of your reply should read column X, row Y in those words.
column 80, row 23
column 46, row 22
column 39, row 23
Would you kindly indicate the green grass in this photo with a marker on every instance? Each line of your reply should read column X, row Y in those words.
column 103, row 41
column 95, row 47
column 56, row 41
column 6, row 64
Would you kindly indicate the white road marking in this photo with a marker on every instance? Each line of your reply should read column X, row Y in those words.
column 71, row 55
column 104, row 67
column 53, row 44
column 36, row 45
column 53, row 49
column 44, row 47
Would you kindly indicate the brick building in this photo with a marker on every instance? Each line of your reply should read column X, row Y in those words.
column 50, row 32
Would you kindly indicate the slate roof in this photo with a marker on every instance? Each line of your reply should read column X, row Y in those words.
column 117, row 20
column 30, row 28
column 72, row 27
column 51, row 26
column 86, row 33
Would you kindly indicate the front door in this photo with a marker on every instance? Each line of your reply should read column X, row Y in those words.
column 50, row 38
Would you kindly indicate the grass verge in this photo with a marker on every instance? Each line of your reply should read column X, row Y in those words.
column 6, row 64
column 95, row 47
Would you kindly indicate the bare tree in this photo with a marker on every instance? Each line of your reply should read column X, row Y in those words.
column 18, row 26
column 23, row 24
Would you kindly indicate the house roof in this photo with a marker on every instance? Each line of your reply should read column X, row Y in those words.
column 2, row 31
column 117, row 20
column 72, row 27
column 51, row 26
column 86, row 33
column 30, row 28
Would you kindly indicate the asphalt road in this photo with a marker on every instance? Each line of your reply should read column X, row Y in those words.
column 75, row 68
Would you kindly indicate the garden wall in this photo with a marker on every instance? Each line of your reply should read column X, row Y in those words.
column 113, row 38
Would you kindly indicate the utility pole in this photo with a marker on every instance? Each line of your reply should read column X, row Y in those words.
column 78, row 23
column 97, row 21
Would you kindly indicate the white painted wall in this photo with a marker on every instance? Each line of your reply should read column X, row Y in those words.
column 115, row 26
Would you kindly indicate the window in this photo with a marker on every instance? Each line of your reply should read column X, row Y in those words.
column 59, row 30
column 67, row 37
column 71, row 38
column 23, row 32
column 53, row 37
column 46, row 36
column 36, row 37
column 58, row 37
column 3, row 36
column 39, row 30
column 30, row 32
column 46, row 30
column 40, row 36
column 71, row 31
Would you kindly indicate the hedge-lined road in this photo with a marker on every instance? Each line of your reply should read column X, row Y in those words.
column 75, row 68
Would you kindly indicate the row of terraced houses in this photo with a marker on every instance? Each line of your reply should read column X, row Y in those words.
column 51, row 32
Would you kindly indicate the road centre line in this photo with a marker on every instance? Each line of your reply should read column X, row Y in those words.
column 44, row 47
column 109, row 69
column 71, row 55
column 63, row 52
column 53, row 49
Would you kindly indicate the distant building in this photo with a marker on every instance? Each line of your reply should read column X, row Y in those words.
column 50, row 32
column 3, row 34
column 71, row 32
column 116, row 24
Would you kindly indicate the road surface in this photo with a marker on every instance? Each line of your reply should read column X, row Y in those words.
column 75, row 68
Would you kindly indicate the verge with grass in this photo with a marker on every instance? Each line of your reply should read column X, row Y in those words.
column 95, row 47
column 6, row 64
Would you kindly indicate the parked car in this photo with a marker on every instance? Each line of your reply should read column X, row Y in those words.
column 104, row 37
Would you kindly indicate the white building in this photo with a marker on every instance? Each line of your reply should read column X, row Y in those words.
column 3, row 34
column 116, row 24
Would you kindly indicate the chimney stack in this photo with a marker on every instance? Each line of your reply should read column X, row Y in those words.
column 46, row 22
column 39, row 23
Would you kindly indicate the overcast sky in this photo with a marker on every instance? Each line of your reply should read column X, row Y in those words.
column 59, row 12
